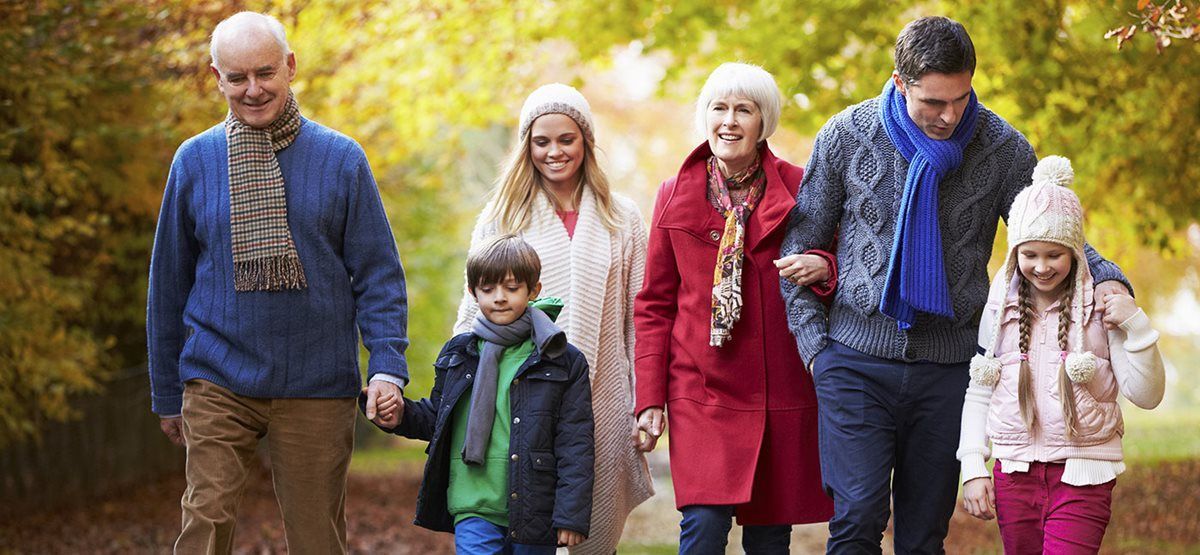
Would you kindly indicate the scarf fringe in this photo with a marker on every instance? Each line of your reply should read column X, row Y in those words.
column 273, row 273
column 256, row 187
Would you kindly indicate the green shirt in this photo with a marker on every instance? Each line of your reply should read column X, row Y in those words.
column 482, row 491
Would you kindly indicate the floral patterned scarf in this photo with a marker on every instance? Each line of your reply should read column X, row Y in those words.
column 727, row 276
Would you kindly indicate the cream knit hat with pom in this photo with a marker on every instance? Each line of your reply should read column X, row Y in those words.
column 1048, row 210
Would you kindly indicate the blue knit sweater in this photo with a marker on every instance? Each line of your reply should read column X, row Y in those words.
column 296, row 343
column 852, row 186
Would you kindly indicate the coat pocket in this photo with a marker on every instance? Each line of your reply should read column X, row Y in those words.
column 543, row 461
column 543, row 390
column 543, row 480
column 548, row 374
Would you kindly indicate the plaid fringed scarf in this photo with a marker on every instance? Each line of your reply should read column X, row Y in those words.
column 264, row 255
column 727, row 276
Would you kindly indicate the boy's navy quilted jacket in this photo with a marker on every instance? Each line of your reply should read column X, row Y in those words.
column 551, row 447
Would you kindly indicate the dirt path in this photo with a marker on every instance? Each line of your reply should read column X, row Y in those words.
column 1156, row 510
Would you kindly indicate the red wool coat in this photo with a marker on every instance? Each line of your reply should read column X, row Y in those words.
column 742, row 418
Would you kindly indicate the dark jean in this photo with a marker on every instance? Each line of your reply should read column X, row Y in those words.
column 888, row 428
column 704, row 530
column 476, row 536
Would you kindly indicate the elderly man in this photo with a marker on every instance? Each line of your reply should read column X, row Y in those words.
column 915, row 180
column 272, row 244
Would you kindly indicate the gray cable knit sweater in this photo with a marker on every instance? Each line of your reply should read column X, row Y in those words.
column 852, row 187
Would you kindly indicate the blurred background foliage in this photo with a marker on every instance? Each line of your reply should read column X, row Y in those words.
column 96, row 95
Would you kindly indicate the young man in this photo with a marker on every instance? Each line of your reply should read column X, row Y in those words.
column 913, row 182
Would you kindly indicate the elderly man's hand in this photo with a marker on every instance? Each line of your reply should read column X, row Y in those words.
column 173, row 428
column 803, row 269
column 385, row 403
column 1104, row 291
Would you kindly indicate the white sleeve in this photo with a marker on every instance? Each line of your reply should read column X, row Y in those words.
column 973, row 448
column 1137, row 362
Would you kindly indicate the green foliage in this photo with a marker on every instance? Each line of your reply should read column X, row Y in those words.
column 81, row 154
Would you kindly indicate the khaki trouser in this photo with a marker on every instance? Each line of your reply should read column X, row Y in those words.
column 309, row 440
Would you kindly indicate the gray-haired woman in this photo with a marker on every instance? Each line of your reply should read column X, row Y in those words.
column 714, row 351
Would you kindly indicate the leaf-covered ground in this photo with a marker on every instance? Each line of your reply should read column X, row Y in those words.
column 1156, row 510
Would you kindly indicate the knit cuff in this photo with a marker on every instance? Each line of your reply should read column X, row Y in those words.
column 1139, row 335
column 810, row 340
column 1107, row 271
column 163, row 405
column 973, row 466
column 396, row 366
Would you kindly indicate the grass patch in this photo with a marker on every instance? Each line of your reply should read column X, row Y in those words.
column 402, row 455
column 1160, row 436
column 648, row 549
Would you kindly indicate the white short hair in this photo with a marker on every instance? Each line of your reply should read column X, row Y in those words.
column 247, row 20
column 745, row 80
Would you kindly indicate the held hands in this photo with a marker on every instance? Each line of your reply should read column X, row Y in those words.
column 385, row 404
column 979, row 498
column 803, row 269
column 651, row 424
column 569, row 538
column 1114, row 299
column 173, row 428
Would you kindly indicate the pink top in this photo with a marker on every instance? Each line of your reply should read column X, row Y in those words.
column 569, row 218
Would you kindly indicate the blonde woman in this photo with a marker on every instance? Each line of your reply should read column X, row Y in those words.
column 592, row 243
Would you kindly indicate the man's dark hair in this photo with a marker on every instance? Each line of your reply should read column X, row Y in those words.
column 503, row 255
column 935, row 43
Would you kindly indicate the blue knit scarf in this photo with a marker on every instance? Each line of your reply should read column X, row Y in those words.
column 916, row 278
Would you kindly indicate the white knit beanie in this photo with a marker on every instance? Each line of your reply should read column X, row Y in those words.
column 1047, row 210
column 557, row 98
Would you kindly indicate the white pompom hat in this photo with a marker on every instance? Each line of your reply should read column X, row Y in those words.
column 1048, row 210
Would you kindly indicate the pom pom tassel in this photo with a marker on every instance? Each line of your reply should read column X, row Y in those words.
column 985, row 370
column 1081, row 367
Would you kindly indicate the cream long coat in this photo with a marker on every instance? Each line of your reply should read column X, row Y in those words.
column 597, row 274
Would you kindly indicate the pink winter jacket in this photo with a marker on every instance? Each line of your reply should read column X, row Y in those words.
column 1128, row 363
column 1099, row 426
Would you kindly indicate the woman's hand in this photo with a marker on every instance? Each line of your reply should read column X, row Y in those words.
column 979, row 498
column 651, row 424
column 803, row 269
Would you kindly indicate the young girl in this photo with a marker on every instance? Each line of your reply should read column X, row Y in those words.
column 592, row 244
column 1045, row 390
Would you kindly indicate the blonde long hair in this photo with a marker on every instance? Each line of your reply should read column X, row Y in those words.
column 1066, row 390
column 511, row 202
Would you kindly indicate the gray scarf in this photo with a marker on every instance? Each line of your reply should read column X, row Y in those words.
column 547, row 338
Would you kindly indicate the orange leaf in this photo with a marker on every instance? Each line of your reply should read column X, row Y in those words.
column 1142, row 4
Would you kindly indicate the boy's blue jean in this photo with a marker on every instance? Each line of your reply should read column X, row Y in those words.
column 476, row 536
column 704, row 530
column 888, row 422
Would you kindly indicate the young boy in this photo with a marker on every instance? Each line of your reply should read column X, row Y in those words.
column 509, row 420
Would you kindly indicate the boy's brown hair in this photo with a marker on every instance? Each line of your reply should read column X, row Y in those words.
column 493, row 262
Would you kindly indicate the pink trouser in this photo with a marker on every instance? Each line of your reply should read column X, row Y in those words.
column 1038, row 513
